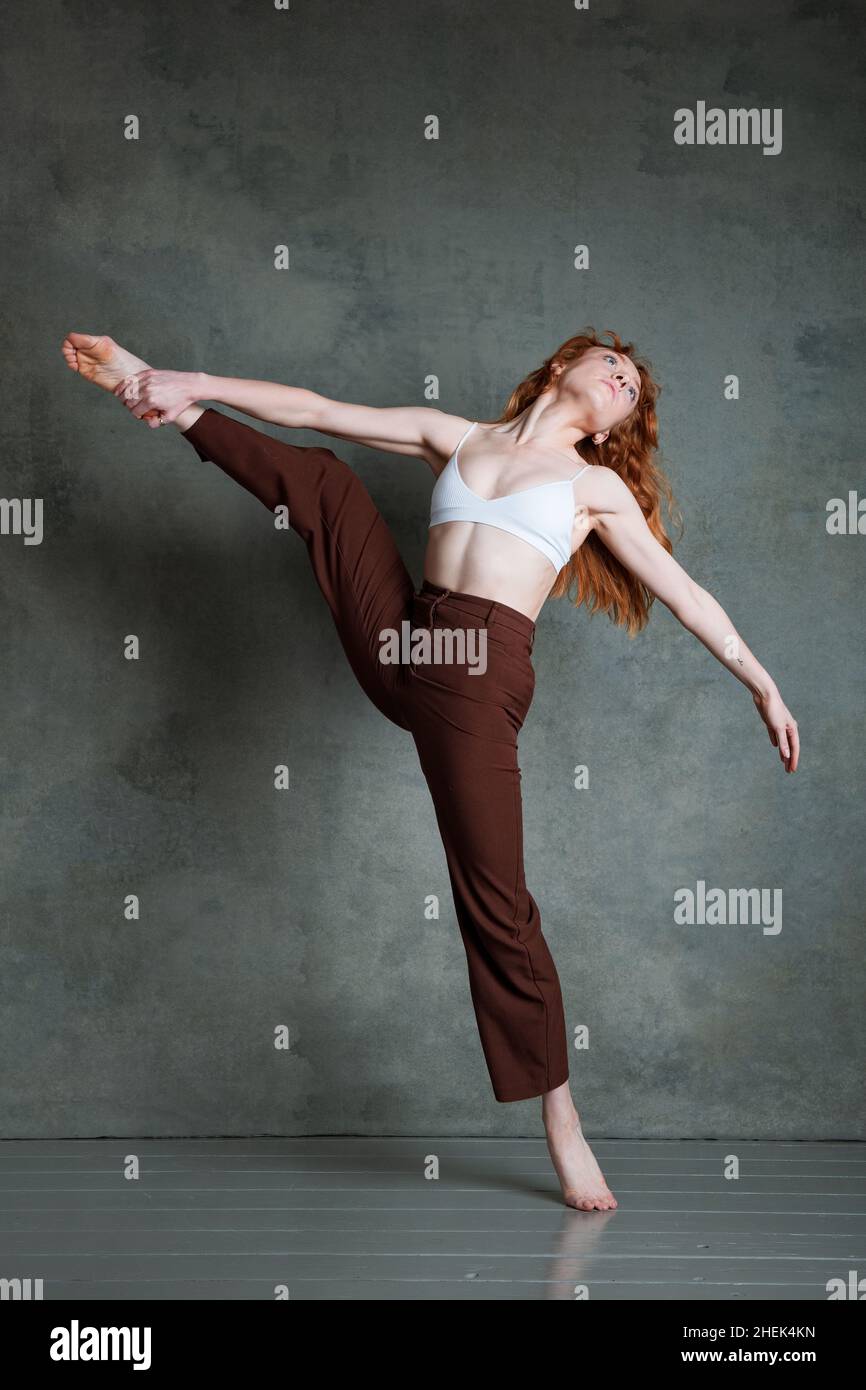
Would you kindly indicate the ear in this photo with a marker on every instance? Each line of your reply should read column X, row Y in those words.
column 600, row 437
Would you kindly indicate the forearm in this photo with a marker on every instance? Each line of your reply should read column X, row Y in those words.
column 708, row 621
column 290, row 406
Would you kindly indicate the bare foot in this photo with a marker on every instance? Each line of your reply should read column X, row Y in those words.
column 581, row 1179
column 100, row 359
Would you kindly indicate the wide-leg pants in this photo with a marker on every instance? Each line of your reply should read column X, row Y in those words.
column 464, row 725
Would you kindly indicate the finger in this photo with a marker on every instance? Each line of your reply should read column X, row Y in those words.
column 783, row 742
column 140, row 408
column 795, row 746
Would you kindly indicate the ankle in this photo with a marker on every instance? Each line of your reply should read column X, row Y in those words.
column 560, row 1117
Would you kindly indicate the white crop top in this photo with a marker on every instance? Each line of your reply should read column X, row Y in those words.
column 543, row 515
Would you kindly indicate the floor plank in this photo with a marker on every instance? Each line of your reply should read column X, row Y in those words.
column 348, row 1218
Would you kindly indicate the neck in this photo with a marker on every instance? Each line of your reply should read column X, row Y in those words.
column 546, row 422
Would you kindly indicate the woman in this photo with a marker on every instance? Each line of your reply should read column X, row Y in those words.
column 558, row 496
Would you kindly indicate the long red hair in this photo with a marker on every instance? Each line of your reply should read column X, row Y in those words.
column 593, row 575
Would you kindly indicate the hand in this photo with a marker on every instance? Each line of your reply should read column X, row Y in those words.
column 157, row 397
column 781, row 726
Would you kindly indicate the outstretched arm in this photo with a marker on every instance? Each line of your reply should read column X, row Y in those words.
column 622, row 527
column 416, row 431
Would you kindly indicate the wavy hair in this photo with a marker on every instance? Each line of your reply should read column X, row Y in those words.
column 593, row 575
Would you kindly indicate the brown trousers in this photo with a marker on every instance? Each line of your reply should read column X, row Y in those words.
column 464, row 726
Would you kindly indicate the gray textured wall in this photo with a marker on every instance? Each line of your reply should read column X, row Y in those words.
column 411, row 257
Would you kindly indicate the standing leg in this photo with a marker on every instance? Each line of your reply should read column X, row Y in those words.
column 474, row 780
column 353, row 554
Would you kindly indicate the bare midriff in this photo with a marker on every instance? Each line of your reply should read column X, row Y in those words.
column 470, row 558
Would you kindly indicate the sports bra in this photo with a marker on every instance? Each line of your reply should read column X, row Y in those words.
column 543, row 516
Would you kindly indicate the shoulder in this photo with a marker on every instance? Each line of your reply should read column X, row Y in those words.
column 605, row 491
column 442, row 434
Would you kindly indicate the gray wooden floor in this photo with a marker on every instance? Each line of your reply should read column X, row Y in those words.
column 352, row 1218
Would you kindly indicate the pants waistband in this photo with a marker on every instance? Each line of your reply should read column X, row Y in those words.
column 490, row 611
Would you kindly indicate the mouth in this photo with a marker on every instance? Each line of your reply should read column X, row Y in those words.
column 611, row 385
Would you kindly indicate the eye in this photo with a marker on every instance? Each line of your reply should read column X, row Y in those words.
column 609, row 357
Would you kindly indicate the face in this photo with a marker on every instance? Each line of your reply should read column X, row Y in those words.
column 603, row 386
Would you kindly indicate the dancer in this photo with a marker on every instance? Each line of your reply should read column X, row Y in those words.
column 558, row 497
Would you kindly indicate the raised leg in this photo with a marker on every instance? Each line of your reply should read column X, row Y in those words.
column 353, row 554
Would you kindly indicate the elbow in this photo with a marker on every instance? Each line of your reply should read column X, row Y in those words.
column 311, row 412
column 688, row 606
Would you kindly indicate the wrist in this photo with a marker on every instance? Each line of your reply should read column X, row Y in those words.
column 202, row 386
column 763, row 686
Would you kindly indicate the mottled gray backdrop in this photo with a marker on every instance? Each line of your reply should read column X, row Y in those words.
column 413, row 258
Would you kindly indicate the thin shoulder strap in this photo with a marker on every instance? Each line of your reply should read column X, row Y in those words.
column 468, row 432
column 580, row 472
